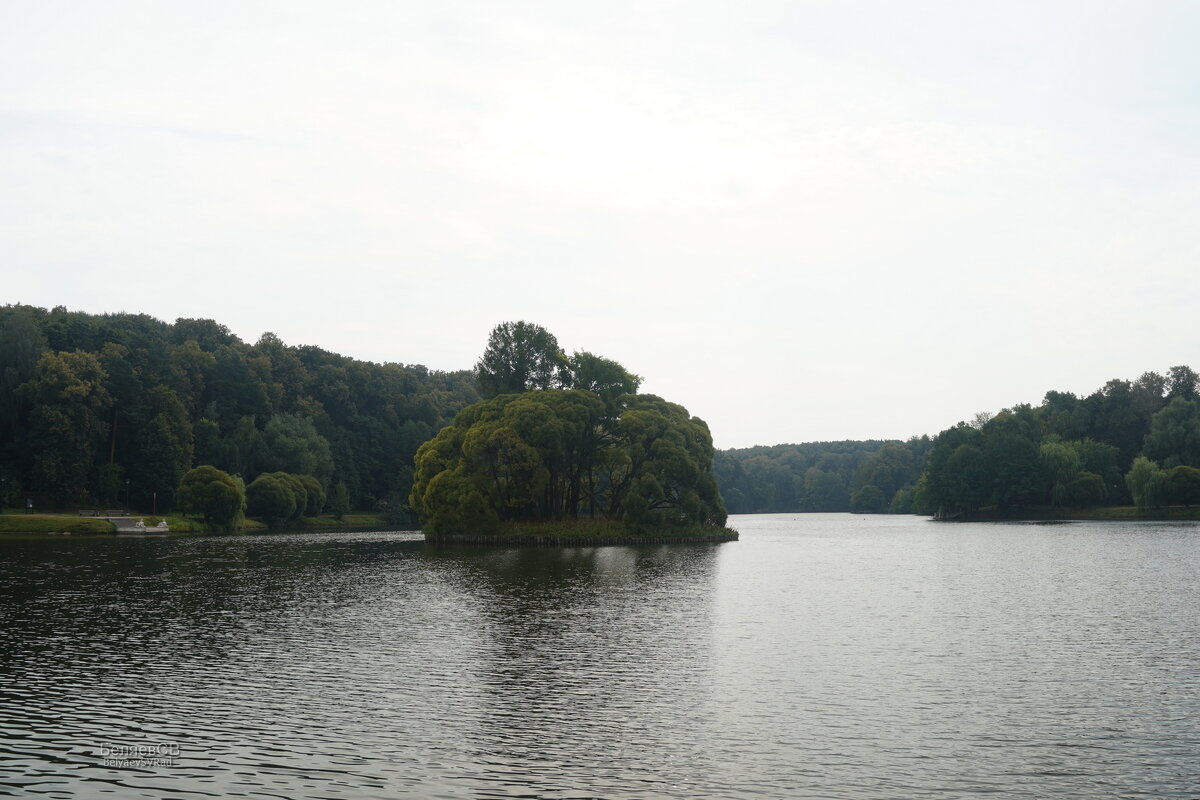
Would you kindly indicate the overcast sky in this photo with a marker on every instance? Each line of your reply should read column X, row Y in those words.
column 802, row 220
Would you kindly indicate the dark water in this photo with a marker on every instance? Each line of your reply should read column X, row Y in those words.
column 823, row 656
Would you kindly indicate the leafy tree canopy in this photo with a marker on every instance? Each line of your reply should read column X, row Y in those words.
column 520, row 356
column 272, row 498
column 218, row 497
column 126, row 404
column 555, row 453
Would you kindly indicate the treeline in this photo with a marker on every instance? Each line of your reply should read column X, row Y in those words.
column 862, row 476
column 1129, row 441
column 114, row 409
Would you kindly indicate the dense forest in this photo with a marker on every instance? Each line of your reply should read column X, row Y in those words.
column 1128, row 442
column 870, row 476
column 114, row 409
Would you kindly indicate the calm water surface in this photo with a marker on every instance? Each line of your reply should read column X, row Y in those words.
column 824, row 656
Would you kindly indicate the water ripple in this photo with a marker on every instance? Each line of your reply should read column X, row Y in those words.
column 825, row 656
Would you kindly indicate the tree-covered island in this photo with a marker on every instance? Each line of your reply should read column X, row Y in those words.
column 563, row 448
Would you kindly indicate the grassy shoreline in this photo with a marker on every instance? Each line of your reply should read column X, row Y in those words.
column 585, row 533
column 54, row 524
column 59, row 524
column 1102, row 514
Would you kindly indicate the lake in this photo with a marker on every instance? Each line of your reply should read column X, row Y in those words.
column 823, row 656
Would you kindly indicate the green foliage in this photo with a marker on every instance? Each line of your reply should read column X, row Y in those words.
column 21, row 346
column 1061, row 464
column 824, row 491
column 216, row 496
column 1174, row 436
column 968, row 486
column 1011, row 460
column 142, row 400
column 659, row 461
column 116, row 408
column 67, row 424
column 296, row 487
column 1087, row 489
column 923, row 501
column 291, row 444
column 902, row 502
column 1080, row 474
column 998, row 464
column 553, row 454
column 868, row 499
column 603, row 377
column 164, row 444
column 1183, row 485
column 1067, row 452
column 340, row 501
column 520, row 356
column 1147, row 483
column 25, row 523
column 818, row 476
column 314, row 502
column 271, row 498
column 1183, row 382
column 109, row 479
column 282, row 497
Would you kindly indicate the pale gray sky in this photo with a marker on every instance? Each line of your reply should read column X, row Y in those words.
column 802, row 220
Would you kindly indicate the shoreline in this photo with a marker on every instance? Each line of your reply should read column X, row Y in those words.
column 43, row 524
column 532, row 540
column 1099, row 514
column 583, row 533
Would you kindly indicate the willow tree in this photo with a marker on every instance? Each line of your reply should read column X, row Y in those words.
column 561, row 454
column 216, row 496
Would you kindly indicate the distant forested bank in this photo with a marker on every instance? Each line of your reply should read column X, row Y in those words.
column 1129, row 442
column 872, row 476
column 114, row 409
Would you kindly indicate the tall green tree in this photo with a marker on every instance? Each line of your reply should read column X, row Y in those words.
column 340, row 501
column 292, row 444
column 601, row 376
column 1061, row 464
column 216, row 496
column 272, row 498
column 1183, row 382
column 1147, row 483
column 520, row 356
column 1183, row 485
column 164, row 446
column 1174, row 436
column 314, row 500
column 21, row 346
column 67, row 423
